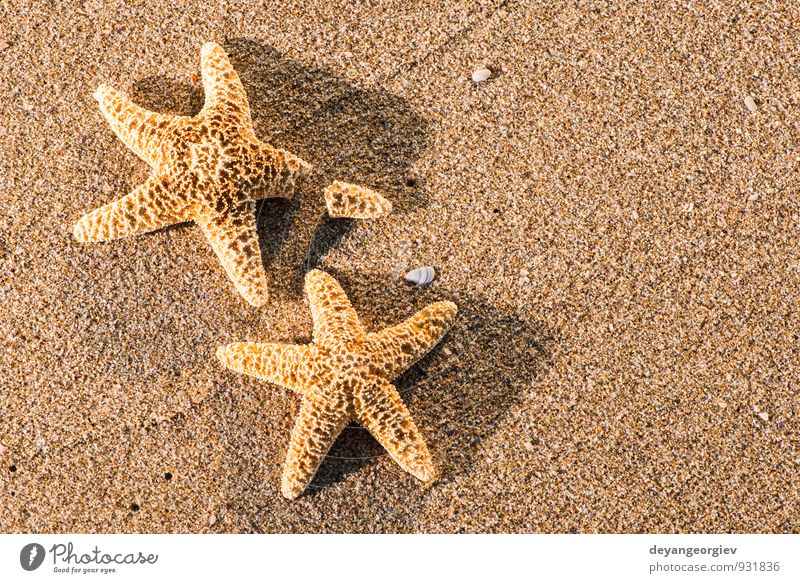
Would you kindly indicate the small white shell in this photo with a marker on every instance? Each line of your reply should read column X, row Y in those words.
column 481, row 75
column 421, row 275
column 750, row 104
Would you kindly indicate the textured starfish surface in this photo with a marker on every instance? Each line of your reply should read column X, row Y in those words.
column 209, row 169
column 345, row 374
column 355, row 202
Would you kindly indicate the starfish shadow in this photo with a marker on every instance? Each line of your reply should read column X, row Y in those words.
column 459, row 392
column 362, row 135
column 327, row 234
column 496, row 358
column 366, row 136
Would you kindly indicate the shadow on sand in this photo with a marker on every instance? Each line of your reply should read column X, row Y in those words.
column 460, row 391
column 365, row 136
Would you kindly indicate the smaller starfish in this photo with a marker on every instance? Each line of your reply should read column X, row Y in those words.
column 355, row 202
column 344, row 375
column 209, row 169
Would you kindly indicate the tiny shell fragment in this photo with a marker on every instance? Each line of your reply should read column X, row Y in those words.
column 421, row 275
column 764, row 416
column 481, row 75
column 750, row 103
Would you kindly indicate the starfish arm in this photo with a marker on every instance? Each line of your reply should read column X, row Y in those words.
column 323, row 415
column 287, row 365
column 355, row 202
column 149, row 207
column 274, row 173
column 223, row 89
column 143, row 131
column 336, row 323
column 234, row 238
column 379, row 408
column 397, row 348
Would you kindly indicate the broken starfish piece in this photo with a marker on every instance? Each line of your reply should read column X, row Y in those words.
column 355, row 202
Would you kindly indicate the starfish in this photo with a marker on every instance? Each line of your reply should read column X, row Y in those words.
column 345, row 375
column 209, row 169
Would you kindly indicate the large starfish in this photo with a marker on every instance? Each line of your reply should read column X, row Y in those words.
column 209, row 169
column 345, row 374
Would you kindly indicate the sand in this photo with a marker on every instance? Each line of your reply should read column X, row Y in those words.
column 617, row 226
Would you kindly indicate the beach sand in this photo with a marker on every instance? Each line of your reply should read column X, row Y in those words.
column 617, row 227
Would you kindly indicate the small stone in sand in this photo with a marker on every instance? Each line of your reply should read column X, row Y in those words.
column 212, row 520
column 753, row 197
column 481, row 75
column 763, row 416
column 4, row 45
column 635, row 215
column 528, row 446
column 750, row 103
column 3, row 449
column 689, row 207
